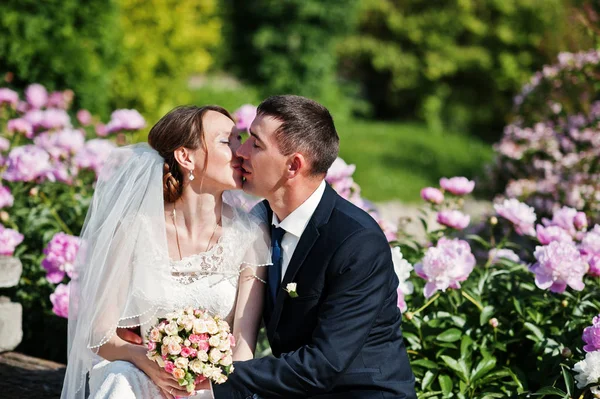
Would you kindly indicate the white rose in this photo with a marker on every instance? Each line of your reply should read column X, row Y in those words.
column 196, row 366
column 220, row 379
column 200, row 326
column 186, row 322
column 202, row 356
column 224, row 345
column 227, row 360
column 214, row 341
column 223, row 326
column 155, row 335
column 174, row 349
column 164, row 350
column 291, row 287
column 172, row 328
column 211, row 327
column 187, row 342
column 215, row 355
column 181, row 363
column 189, row 310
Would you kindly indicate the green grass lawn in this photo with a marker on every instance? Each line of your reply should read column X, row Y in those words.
column 394, row 160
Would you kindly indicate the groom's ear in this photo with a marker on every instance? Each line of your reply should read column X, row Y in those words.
column 184, row 157
column 296, row 165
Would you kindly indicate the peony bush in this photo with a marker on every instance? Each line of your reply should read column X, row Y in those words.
column 49, row 158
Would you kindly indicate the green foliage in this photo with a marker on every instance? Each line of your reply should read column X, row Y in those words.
column 164, row 42
column 61, row 43
column 287, row 47
column 454, row 63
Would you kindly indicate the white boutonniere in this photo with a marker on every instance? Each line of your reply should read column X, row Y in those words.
column 291, row 289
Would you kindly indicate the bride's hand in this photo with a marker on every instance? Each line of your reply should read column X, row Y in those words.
column 165, row 381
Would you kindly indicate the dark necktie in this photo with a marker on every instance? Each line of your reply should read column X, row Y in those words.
column 277, row 258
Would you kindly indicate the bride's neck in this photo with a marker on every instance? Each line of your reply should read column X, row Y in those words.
column 199, row 210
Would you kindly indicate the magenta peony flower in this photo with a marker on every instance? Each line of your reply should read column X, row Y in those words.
column 401, row 303
column 93, row 154
column 6, row 198
column 125, row 119
column 339, row 176
column 9, row 239
column 454, row 219
column 519, row 214
column 26, row 163
column 59, row 99
column 551, row 233
column 60, row 253
column 457, row 185
column 60, row 300
column 445, row 265
column 62, row 143
column 36, row 96
column 244, row 116
column 84, row 117
column 8, row 96
column 496, row 254
column 564, row 218
column 559, row 264
column 55, row 119
column 20, row 125
column 101, row 129
column 433, row 195
column 591, row 336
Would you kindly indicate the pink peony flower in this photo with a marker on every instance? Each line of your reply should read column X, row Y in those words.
column 27, row 163
column 457, row 185
column 580, row 221
column 564, row 218
column 84, row 117
column 551, row 233
column 519, row 214
column 401, row 302
column 101, row 129
column 9, row 239
column 94, row 154
column 339, row 176
column 590, row 250
column 60, row 300
column 4, row 144
column 6, row 198
column 59, row 99
column 591, row 336
column 445, row 265
column 60, row 253
column 55, row 119
column 8, row 96
column 454, row 219
column 559, row 264
column 433, row 195
column 62, row 143
column 496, row 254
column 125, row 119
column 36, row 96
column 244, row 116
column 20, row 125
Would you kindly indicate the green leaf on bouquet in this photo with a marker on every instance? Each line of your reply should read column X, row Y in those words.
column 427, row 380
column 486, row 314
column 450, row 335
column 550, row 391
column 446, row 385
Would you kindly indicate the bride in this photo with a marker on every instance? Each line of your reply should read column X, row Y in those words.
column 163, row 232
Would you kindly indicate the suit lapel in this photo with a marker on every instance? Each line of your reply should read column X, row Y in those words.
column 305, row 244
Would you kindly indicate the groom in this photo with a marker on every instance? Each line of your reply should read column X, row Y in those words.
column 337, row 335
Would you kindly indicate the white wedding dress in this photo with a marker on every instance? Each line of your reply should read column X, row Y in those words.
column 124, row 278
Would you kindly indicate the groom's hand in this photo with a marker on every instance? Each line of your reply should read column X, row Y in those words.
column 130, row 335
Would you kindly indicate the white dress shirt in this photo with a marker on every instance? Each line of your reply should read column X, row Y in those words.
column 295, row 224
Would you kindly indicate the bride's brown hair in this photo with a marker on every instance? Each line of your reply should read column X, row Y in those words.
column 182, row 127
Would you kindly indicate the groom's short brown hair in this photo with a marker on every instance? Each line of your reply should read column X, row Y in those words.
column 306, row 127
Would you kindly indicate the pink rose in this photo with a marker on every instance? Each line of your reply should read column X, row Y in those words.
column 194, row 338
column 179, row 374
column 169, row 366
column 231, row 340
column 151, row 346
column 186, row 351
column 203, row 345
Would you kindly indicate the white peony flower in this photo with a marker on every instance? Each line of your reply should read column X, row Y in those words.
column 588, row 370
column 402, row 269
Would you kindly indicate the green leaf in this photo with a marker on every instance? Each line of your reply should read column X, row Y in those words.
column 424, row 363
column 569, row 383
column 455, row 365
column 466, row 347
column 480, row 240
column 486, row 365
column 450, row 335
column 486, row 314
column 535, row 330
column 517, row 306
column 427, row 380
column 446, row 385
column 550, row 391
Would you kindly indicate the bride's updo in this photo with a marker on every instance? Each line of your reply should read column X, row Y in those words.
column 182, row 127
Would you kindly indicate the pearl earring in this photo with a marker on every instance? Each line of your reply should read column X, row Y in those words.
column 191, row 176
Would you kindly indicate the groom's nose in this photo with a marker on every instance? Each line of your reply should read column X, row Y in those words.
column 243, row 150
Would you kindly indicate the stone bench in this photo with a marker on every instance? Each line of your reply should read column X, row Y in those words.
column 27, row 377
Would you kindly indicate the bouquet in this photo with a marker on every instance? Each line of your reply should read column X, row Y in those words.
column 193, row 346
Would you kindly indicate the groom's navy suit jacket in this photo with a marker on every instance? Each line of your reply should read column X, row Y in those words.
column 340, row 338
